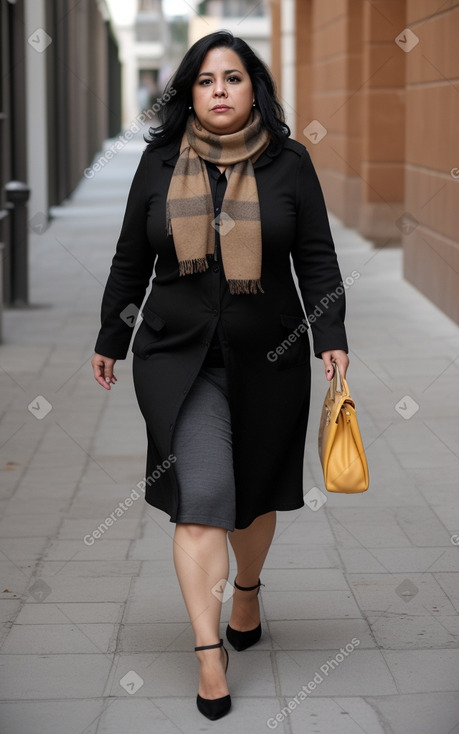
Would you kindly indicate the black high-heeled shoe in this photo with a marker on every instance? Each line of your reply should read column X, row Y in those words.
column 214, row 708
column 242, row 640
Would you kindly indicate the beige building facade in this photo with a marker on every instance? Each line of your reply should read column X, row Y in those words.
column 372, row 90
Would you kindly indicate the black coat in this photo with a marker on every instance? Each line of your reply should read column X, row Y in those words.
column 269, row 389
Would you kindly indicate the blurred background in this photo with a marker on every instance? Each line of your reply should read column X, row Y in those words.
column 370, row 87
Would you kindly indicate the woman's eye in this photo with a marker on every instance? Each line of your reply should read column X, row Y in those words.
column 206, row 82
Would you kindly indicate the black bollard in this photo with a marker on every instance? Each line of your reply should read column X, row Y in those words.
column 17, row 195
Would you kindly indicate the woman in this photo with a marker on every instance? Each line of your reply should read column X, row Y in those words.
column 221, row 199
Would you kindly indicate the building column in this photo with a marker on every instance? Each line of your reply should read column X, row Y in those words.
column 383, row 150
column 430, row 223
column 288, row 72
column 304, row 78
column 36, row 44
column 276, row 54
column 329, row 100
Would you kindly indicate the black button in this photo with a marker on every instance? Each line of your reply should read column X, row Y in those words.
column 207, row 344
column 171, row 426
column 215, row 312
column 215, row 268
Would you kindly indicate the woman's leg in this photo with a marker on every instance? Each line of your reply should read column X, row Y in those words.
column 251, row 546
column 201, row 561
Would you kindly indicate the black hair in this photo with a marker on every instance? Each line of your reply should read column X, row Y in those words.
column 173, row 115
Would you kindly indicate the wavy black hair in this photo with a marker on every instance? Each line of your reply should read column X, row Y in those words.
column 173, row 115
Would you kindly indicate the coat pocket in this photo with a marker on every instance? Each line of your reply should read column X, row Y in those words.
column 293, row 349
column 148, row 334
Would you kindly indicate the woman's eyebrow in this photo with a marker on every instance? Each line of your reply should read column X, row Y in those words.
column 210, row 73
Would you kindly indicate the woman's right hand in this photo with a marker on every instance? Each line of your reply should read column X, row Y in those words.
column 103, row 370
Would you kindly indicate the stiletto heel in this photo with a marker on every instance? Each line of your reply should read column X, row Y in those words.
column 214, row 708
column 242, row 640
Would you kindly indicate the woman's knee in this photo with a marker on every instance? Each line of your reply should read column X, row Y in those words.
column 196, row 531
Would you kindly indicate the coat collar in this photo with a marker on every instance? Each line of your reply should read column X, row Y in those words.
column 170, row 153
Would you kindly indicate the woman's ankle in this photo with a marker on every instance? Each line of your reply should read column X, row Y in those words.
column 247, row 582
column 212, row 676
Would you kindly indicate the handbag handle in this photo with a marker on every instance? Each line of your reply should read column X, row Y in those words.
column 336, row 385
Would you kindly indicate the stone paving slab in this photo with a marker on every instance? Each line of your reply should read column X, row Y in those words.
column 52, row 716
column 91, row 568
column 54, row 676
column 319, row 634
column 310, row 605
column 414, row 631
column 362, row 673
column 53, row 639
column 248, row 714
column 415, row 594
column 417, row 671
column 287, row 580
column 76, row 550
column 287, row 556
column 344, row 715
column 419, row 713
column 76, row 612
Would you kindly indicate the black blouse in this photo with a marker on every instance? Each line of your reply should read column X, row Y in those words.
column 218, row 183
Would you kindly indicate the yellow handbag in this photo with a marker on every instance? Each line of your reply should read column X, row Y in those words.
column 341, row 450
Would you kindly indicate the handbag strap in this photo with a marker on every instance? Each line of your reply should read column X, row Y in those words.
column 335, row 383
column 338, row 384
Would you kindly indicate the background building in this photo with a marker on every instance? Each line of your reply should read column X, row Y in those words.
column 59, row 99
column 143, row 36
column 372, row 89
column 245, row 18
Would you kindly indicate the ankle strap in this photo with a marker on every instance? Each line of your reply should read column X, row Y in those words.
column 209, row 647
column 248, row 588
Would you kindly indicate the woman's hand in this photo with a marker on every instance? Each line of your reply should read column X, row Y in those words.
column 103, row 370
column 338, row 356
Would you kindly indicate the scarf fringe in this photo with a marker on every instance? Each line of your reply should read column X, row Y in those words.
column 168, row 218
column 188, row 267
column 237, row 287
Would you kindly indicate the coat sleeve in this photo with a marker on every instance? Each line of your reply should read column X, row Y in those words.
column 316, row 265
column 130, row 272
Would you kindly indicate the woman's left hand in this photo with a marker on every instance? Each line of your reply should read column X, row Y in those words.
column 338, row 356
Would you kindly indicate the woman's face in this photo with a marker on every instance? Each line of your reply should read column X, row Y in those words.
column 222, row 92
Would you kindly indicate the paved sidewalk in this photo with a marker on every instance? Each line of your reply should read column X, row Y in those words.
column 96, row 638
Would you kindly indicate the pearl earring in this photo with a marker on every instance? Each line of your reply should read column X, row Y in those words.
column 254, row 104
column 190, row 107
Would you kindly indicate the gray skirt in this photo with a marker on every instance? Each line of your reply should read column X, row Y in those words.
column 202, row 443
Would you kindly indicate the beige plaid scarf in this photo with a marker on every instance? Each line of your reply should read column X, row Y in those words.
column 189, row 207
